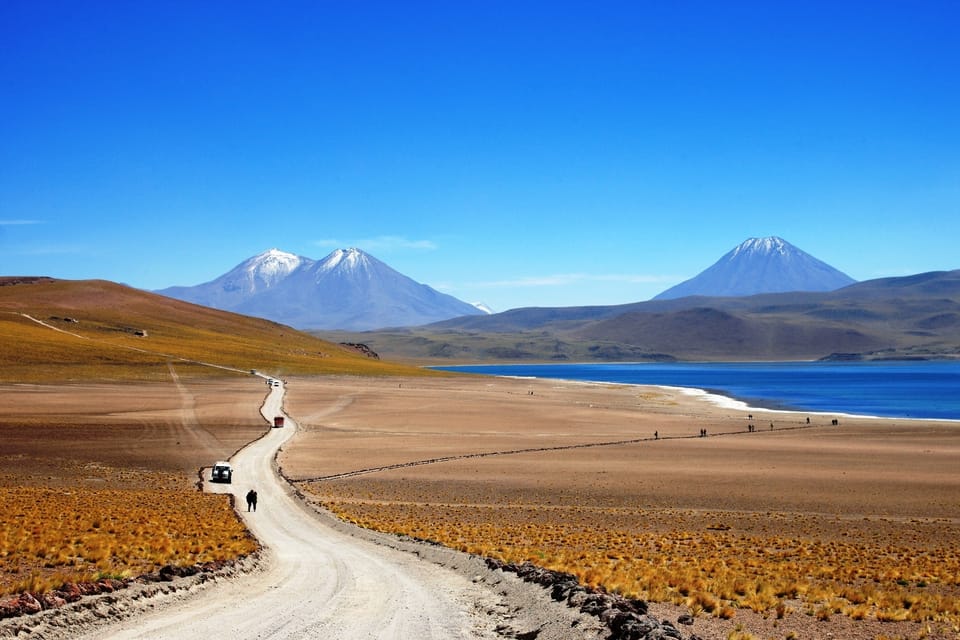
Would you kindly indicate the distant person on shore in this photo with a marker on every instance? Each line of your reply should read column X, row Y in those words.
column 251, row 500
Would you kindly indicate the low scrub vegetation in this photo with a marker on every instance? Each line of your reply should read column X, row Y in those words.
column 772, row 564
column 50, row 536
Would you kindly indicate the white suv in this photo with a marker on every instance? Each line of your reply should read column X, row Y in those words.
column 221, row 472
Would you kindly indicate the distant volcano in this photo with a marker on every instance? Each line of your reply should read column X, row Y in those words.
column 348, row 289
column 761, row 265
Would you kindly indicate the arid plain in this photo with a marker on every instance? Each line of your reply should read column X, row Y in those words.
column 791, row 529
column 800, row 530
column 99, row 479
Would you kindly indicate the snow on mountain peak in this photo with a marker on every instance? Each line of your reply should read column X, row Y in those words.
column 350, row 259
column 764, row 246
column 272, row 265
column 354, row 257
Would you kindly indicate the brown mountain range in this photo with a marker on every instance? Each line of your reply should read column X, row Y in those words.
column 909, row 317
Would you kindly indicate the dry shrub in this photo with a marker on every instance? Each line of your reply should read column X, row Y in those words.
column 51, row 536
column 892, row 615
column 739, row 633
column 711, row 572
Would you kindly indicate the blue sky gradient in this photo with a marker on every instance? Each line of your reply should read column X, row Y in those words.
column 511, row 153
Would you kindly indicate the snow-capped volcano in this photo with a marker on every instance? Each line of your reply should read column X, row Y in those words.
column 761, row 265
column 348, row 289
column 249, row 278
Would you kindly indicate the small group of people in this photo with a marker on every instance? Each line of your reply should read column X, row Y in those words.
column 251, row 500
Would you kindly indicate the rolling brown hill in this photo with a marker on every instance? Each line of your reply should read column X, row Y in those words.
column 708, row 333
column 910, row 317
column 57, row 330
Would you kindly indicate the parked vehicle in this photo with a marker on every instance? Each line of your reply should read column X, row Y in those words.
column 278, row 421
column 221, row 472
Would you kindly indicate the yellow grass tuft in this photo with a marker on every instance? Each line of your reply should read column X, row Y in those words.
column 52, row 536
column 712, row 573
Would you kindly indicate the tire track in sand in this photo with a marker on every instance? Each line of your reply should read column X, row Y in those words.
column 189, row 430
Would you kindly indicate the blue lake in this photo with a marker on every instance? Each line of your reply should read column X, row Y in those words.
column 890, row 389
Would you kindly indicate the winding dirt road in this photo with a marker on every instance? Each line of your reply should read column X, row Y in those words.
column 316, row 577
column 316, row 582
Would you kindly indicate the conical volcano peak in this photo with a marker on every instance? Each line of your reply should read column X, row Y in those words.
column 761, row 265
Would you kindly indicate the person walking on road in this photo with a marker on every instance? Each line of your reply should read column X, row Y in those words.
column 251, row 500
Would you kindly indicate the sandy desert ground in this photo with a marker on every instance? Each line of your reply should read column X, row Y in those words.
column 879, row 494
column 110, row 467
column 173, row 428
column 526, row 467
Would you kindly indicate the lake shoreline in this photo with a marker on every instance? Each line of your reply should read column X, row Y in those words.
column 873, row 382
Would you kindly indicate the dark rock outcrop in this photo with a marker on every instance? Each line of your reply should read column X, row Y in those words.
column 627, row 618
column 27, row 603
column 361, row 348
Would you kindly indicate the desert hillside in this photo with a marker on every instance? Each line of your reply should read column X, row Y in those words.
column 57, row 330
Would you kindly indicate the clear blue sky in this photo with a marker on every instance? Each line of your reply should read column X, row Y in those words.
column 513, row 153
